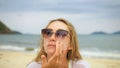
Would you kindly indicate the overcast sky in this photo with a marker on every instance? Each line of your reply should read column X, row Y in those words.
column 30, row 16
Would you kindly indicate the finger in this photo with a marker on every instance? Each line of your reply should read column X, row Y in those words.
column 43, row 59
column 58, row 48
column 61, row 51
column 57, row 52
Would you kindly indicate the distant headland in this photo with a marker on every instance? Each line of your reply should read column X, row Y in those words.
column 5, row 30
column 96, row 33
column 104, row 33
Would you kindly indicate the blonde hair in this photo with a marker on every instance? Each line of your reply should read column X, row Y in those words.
column 74, row 55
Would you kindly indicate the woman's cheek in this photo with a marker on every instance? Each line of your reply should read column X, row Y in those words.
column 65, row 43
column 45, row 45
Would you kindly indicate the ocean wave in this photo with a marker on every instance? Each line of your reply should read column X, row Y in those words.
column 17, row 48
column 85, row 52
column 100, row 54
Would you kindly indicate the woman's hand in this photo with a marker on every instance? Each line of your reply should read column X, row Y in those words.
column 58, row 60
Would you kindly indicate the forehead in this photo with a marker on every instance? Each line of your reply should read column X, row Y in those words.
column 58, row 25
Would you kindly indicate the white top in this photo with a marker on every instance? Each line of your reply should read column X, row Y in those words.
column 72, row 64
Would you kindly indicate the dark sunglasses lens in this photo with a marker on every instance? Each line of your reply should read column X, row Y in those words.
column 46, row 32
column 61, row 33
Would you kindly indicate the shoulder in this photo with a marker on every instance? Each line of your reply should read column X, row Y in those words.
column 80, row 64
column 34, row 65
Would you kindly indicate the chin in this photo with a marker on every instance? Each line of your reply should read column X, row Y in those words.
column 51, row 51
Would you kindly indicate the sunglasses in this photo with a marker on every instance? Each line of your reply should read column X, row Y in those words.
column 58, row 34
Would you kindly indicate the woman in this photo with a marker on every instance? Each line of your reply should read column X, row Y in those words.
column 59, row 47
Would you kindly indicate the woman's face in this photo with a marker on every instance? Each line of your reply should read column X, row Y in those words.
column 50, row 42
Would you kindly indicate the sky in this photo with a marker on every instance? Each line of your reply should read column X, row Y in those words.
column 87, row 16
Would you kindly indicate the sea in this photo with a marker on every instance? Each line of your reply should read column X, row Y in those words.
column 97, row 46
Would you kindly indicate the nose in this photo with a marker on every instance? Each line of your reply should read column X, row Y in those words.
column 53, row 38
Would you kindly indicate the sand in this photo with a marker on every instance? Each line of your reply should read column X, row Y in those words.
column 13, row 59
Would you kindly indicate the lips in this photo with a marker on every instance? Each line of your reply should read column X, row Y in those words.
column 51, row 45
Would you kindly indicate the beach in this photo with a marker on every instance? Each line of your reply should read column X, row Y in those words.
column 16, row 59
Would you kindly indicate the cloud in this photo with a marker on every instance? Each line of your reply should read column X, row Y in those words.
column 19, row 13
column 53, row 5
column 107, row 8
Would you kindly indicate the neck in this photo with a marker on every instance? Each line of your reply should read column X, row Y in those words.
column 49, row 56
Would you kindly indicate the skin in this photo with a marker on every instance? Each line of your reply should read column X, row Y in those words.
column 55, row 48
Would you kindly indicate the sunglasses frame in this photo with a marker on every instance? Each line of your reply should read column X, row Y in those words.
column 60, row 33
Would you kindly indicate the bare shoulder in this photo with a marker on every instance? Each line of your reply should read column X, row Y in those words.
column 34, row 65
column 81, row 64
